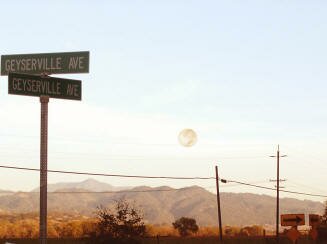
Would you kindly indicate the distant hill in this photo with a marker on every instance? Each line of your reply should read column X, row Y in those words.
column 5, row 192
column 89, row 185
column 162, row 205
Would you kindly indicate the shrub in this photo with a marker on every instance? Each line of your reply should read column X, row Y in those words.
column 121, row 225
column 186, row 226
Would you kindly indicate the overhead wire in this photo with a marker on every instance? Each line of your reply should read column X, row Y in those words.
column 110, row 175
column 274, row 189
column 297, row 184
column 157, row 177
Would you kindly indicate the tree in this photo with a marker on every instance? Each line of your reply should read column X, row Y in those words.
column 121, row 225
column 323, row 219
column 322, row 228
column 186, row 226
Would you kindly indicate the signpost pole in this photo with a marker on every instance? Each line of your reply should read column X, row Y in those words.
column 27, row 75
column 218, row 205
column 27, row 78
column 44, row 100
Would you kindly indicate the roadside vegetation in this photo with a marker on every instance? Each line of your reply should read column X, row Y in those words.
column 26, row 226
column 124, row 224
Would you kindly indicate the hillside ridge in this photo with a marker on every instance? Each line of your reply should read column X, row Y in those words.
column 161, row 205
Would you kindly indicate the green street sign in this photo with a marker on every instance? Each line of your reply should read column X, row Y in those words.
column 34, row 85
column 49, row 63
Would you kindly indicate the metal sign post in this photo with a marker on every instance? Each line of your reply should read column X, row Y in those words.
column 44, row 100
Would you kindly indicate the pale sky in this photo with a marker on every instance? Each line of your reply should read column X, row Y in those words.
column 245, row 75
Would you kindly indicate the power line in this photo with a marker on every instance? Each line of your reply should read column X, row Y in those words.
column 305, row 186
column 110, row 175
column 270, row 188
column 252, row 185
column 158, row 177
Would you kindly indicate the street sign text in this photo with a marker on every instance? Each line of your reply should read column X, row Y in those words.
column 50, row 63
column 33, row 85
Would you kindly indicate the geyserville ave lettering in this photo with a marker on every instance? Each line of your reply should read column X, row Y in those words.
column 50, row 63
column 33, row 85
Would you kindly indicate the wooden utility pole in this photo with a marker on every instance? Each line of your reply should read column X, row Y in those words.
column 277, row 193
column 218, row 205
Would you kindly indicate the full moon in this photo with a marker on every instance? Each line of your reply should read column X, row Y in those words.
column 187, row 137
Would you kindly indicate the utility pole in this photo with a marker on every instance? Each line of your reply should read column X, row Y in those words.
column 218, row 205
column 277, row 197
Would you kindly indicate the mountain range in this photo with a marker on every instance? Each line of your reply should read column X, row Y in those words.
column 89, row 185
column 159, row 205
